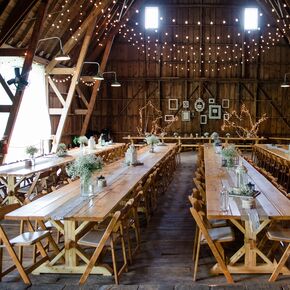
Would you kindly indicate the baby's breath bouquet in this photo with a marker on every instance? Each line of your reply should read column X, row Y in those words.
column 229, row 153
column 151, row 139
column 82, row 140
column 84, row 166
column 61, row 150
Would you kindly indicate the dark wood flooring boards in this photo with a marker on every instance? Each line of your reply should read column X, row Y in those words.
column 164, row 261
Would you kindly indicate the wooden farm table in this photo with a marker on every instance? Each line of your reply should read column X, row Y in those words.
column 78, row 213
column 13, row 174
column 271, row 204
column 278, row 150
column 196, row 141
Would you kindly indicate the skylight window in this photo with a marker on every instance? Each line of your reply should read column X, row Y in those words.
column 251, row 19
column 151, row 17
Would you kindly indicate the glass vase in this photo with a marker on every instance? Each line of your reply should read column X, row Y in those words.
column 151, row 148
column 82, row 149
column 87, row 187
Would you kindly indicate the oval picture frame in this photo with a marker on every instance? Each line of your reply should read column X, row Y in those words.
column 199, row 105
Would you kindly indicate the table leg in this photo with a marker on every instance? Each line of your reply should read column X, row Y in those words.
column 71, row 252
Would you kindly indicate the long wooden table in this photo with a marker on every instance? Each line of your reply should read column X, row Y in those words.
column 77, row 212
column 278, row 150
column 197, row 141
column 13, row 174
column 271, row 204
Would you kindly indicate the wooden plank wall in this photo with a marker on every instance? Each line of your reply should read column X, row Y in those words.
column 184, row 67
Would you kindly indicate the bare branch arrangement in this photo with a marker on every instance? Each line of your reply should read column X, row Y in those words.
column 156, row 114
column 243, row 123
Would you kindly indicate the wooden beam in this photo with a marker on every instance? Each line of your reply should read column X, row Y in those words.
column 267, row 10
column 6, row 88
column 17, row 15
column 82, row 96
column 13, row 51
column 5, row 108
column 62, row 71
column 269, row 98
column 3, row 6
column 130, row 11
column 96, row 88
column 141, row 88
column 81, row 111
column 55, row 111
column 26, row 66
column 74, row 80
column 70, row 44
column 57, row 92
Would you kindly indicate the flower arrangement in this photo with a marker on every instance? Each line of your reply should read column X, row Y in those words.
column 84, row 166
column 152, row 139
column 31, row 150
column 229, row 153
column 61, row 150
column 82, row 140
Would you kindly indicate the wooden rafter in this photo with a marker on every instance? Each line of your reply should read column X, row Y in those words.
column 7, row 89
column 128, row 13
column 267, row 9
column 26, row 68
column 12, row 51
column 74, row 80
column 70, row 44
column 96, row 88
column 19, row 12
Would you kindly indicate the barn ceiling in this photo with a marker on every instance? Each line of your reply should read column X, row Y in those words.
column 67, row 17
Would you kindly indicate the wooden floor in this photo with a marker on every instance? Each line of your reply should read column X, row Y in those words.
column 164, row 261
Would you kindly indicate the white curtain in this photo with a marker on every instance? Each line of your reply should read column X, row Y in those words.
column 33, row 123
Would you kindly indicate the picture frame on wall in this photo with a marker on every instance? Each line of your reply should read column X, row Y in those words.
column 173, row 104
column 225, row 103
column 214, row 112
column 226, row 117
column 203, row 119
column 185, row 104
column 168, row 118
column 211, row 101
column 185, row 116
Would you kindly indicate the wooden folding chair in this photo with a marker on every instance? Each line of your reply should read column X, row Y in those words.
column 213, row 237
column 103, row 241
column 24, row 239
column 279, row 235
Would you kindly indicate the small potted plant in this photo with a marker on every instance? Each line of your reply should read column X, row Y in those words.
column 61, row 150
column 30, row 151
column 83, row 167
column 152, row 140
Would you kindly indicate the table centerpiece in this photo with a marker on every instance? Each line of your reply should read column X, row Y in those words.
column 152, row 140
column 83, row 167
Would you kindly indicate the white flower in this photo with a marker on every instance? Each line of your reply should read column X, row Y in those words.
column 83, row 140
column 152, row 139
column 84, row 166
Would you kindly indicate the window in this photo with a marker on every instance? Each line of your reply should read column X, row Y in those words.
column 251, row 19
column 33, row 122
column 151, row 17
